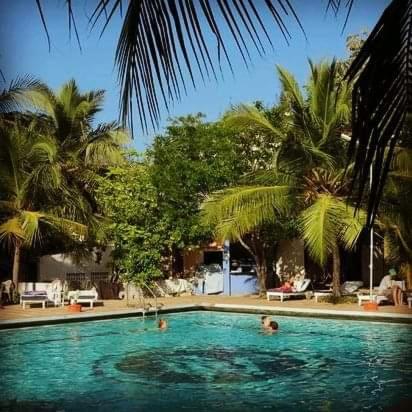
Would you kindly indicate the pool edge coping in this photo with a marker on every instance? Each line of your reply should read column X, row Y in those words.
column 216, row 307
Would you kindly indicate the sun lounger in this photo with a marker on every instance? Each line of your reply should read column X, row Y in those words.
column 83, row 296
column 34, row 297
column 299, row 291
column 379, row 298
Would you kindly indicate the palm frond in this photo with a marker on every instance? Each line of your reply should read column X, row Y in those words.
column 18, row 95
column 382, row 98
column 237, row 211
column 244, row 116
column 327, row 222
column 104, row 145
column 11, row 231
column 163, row 43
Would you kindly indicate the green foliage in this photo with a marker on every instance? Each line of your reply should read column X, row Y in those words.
column 140, row 233
column 189, row 161
column 327, row 222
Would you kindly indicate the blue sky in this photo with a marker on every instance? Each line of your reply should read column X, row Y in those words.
column 24, row 50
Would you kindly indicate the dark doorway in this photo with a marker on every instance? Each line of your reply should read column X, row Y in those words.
column 213, row 257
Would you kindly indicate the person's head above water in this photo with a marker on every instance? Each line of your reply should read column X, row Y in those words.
column 162, row 324
column 265, row 320
column 274, row 325
column 392, row 272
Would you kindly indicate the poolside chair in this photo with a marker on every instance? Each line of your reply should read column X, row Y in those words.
column 33, row 297
column 379, row 298
column 83, row 296
column 299, row 290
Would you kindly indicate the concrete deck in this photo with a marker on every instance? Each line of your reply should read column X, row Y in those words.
column 14, row 316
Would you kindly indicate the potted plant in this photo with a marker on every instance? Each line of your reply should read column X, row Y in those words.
column 74, row 306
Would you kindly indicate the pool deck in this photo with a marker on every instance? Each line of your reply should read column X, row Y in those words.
column 13, row 316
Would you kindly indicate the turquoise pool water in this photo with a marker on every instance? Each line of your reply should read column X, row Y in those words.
column 207, row 361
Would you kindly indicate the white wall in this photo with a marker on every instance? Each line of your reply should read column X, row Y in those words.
column 290, row 258
column 56, row 266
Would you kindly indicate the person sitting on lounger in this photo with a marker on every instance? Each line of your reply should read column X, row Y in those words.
column 391, row 291
column 287, row 286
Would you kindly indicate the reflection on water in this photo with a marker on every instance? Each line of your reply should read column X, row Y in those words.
column 212, row 365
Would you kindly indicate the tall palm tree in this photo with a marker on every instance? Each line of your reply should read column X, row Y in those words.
column 314, row 119
column 310, row 138
column 83, row 149
column 328, row 221
column 26, row 161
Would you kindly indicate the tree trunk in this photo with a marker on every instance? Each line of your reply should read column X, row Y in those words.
column 336, row 271
column 261, row 265
column 16, row 265
column 262, row 272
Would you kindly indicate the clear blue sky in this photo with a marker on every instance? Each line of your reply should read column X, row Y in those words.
column 24, row 51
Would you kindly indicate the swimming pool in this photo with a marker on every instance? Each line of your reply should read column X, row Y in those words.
column 206, row 361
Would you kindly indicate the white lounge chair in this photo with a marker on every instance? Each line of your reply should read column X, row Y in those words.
column 83, row 296
column 33, row 297
column 300, row 290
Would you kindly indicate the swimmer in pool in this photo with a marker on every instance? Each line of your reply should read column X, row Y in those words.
column 162, row 325
column 265, row 321
column 273, row 325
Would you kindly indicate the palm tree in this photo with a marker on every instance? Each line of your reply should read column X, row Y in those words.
column 380, row 114
column 329, row 221
column 313, row 120
column 52, row 156
column 26, row 162
column 82, row 149
column 311, row 138
column 240, row 214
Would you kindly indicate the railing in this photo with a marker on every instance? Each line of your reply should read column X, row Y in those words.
column 99, row 276
column 76, row 276
column 153, row 295
column 139, row 293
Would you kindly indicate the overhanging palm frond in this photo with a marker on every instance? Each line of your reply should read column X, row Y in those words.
column 164, row 43
column 382, row 98
column 237, row 211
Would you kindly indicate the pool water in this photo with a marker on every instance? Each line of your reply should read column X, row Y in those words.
column 207, row 361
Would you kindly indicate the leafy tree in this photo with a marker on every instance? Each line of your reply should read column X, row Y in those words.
column 140, row 233
column 189, row 161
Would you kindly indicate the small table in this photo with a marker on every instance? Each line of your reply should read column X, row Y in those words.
column 366, row 298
